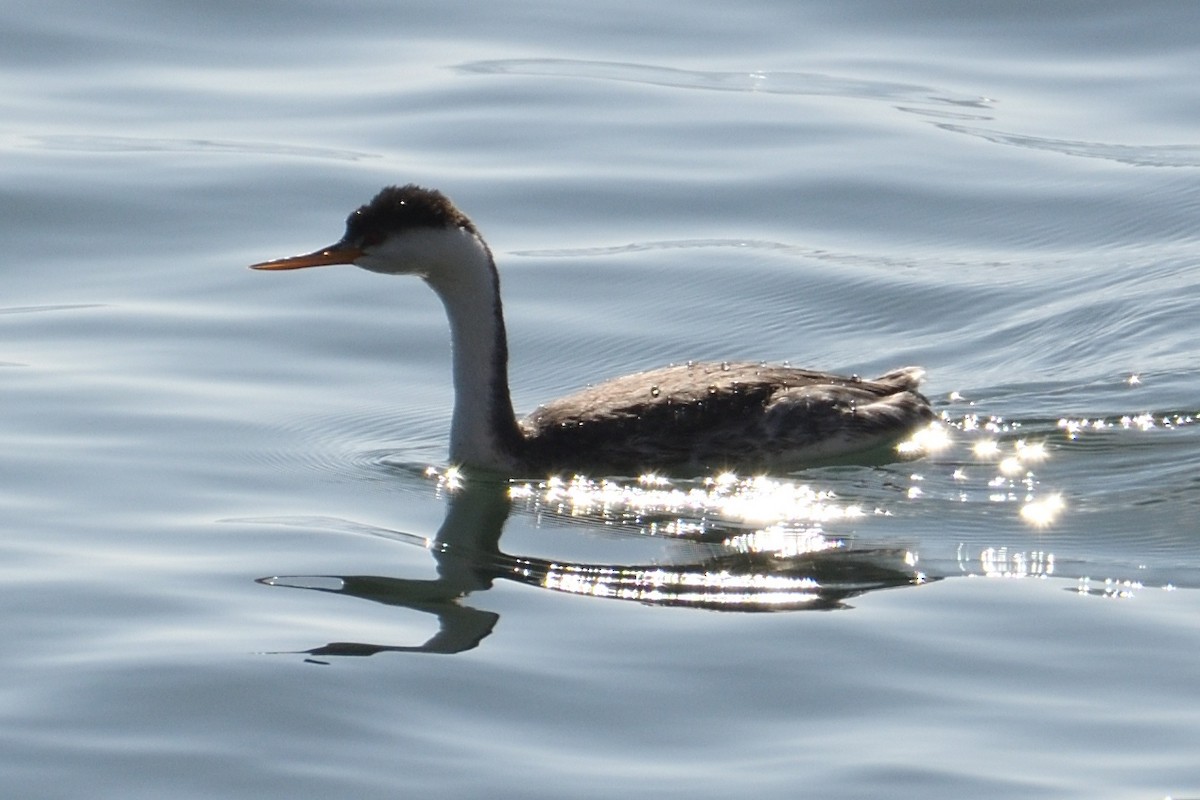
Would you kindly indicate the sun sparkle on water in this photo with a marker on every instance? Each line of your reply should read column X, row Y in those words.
column 1145, row 421
column 1042, row 512
column 933, row 438
column 747, row 501
column 986, row 449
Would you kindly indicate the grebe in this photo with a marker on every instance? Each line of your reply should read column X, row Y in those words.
column 695, row 416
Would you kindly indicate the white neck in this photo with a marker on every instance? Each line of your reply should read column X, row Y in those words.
column 483, row 432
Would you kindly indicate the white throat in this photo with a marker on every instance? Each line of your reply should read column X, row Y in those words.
column 458, row 266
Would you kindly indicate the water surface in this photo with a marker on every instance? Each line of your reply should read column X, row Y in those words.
column 228, row 570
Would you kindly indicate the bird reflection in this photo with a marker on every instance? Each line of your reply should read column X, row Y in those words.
column 722, row 574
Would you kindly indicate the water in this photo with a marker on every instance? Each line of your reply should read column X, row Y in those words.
column 222, row 551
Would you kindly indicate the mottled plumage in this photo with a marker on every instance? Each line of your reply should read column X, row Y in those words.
column 698, row 417
column 723, row 415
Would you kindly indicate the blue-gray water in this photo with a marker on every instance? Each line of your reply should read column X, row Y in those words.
column 217, row 555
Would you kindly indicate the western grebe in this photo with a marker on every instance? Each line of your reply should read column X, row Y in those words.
column 694, row 416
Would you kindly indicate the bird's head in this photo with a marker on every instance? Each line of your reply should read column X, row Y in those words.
column 404, row 230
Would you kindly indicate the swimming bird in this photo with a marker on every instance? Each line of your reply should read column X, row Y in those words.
column 697, row 417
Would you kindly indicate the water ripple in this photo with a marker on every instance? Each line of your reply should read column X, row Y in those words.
column 822, row 84
column 791, row 83
column 52, row 307
column 139, row 144
column 763, row 245
column 367, row 444
column 1160, row 155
